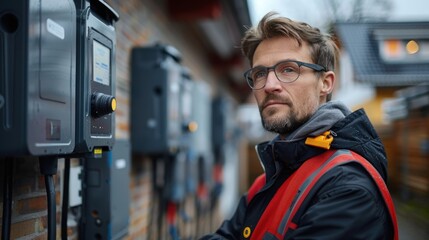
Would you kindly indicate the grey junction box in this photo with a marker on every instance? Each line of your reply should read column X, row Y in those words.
column 156, row 75
column 37, row 77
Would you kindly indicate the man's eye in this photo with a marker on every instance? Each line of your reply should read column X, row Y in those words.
column 287, row 67
column 259, row 74
column 287, row 70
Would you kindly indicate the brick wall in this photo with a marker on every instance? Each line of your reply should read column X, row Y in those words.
column 29, row 217
column 144, row 22
column 141, row 22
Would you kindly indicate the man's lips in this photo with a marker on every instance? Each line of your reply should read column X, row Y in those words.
column 271, row 103
column 274, row 102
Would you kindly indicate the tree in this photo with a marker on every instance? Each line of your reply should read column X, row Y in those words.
column 359, row 10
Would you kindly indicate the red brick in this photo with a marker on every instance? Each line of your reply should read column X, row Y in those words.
column 42, row 236
column 22, row 186
column 23, row 228
column 31, row 205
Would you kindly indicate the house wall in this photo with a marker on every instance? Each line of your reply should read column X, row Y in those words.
column 405, row 142
column 412, row 141
column 373, row 107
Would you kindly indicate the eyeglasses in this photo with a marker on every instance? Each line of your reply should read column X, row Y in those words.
column 286, row 71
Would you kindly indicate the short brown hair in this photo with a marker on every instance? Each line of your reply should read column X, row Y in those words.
column 323, row 49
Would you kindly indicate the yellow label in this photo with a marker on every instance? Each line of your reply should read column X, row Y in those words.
column 98, row 151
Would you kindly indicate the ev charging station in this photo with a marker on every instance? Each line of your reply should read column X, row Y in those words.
column 105, row 206
column 95, row 85
column 37, row 87
column 37, row 90
column 155, row 100
column 222, row 141
column 161, row 109
column 201, row 147
column 189, row 127
column 106, row 194
column 57, row 87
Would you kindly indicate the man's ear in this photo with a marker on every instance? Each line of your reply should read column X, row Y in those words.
column 328, row 82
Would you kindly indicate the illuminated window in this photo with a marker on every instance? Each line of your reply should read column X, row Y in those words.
column 404, row 50
column 402, row 45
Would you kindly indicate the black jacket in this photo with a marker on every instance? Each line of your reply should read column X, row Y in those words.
column 344, row 204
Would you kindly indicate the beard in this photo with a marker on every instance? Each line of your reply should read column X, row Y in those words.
column 283, row 124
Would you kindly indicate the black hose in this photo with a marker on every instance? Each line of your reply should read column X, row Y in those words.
column 7, row 198
column 48, row 167
column 65, row 206
column 50, row 191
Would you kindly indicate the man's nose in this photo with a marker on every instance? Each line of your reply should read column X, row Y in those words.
column 272, row 82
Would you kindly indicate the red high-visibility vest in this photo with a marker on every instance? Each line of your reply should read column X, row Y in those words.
column 295, row 189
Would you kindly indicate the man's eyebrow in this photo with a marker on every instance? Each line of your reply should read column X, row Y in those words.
column 286, row 59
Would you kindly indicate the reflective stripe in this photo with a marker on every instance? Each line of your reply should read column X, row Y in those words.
column 269, row 236
column 282, row 227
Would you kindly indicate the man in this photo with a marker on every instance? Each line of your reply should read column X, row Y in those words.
column 292, row 78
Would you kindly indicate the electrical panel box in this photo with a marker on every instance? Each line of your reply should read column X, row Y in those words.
column 201, row 140
column 219, row 117
column 223, row 127
column 176, row 177
column 202, row 115
column 156, row 76
column 188, row 125
column 37, row 77
column 106, row 194
column 95, row 83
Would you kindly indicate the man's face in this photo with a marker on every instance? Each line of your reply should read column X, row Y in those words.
column 286, row 106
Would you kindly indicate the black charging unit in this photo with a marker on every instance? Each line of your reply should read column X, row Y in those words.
column 37, row 77
column 95, row 83
column 37, row 89
column 106, row 194
column 95, row 107
column 156, row 74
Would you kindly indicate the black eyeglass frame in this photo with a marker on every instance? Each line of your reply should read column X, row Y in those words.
column 315, row 67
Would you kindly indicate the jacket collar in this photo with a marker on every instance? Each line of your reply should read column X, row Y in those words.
column 291, row 152
column 278, row 155
column 353, row 132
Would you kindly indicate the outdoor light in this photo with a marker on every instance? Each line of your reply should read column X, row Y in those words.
column 192, row 126
column 392, row 48
column 412, row 47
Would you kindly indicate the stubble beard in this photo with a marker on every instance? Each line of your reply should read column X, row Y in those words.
column 280, row 125
column 283, row 124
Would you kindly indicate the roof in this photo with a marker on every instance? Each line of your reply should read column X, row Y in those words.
column 362, row 42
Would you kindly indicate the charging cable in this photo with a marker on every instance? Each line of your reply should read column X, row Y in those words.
column 48, row 167
column 7, row 198
column 65, row 202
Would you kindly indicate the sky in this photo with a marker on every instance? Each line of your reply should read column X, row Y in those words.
column 316, row 12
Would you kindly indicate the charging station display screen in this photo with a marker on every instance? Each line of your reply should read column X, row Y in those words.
column 102, row 51
column 101, row 63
